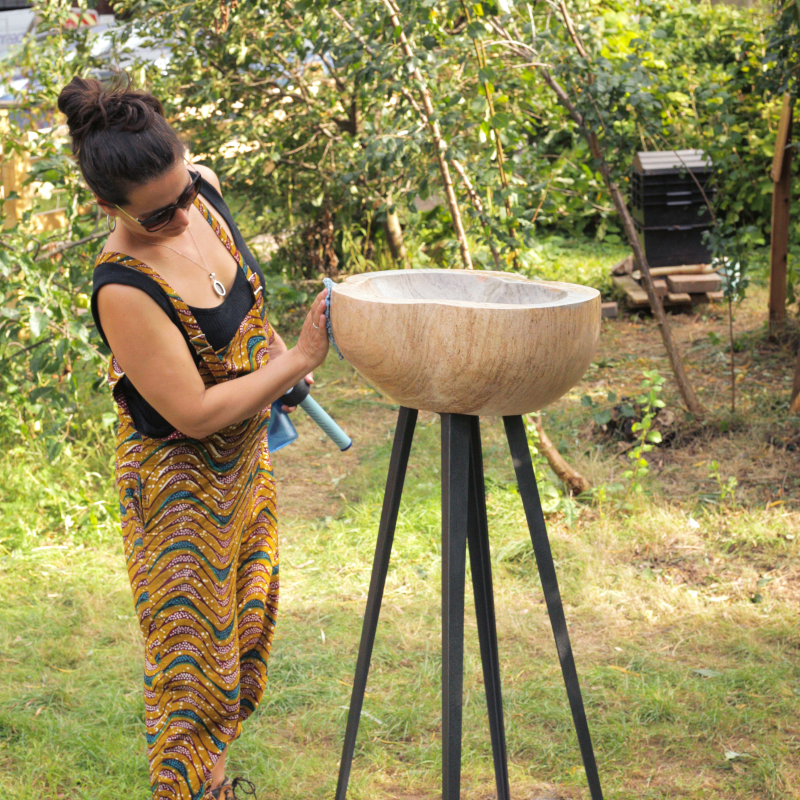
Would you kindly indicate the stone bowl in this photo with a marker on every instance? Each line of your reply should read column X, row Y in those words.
column 466, row 342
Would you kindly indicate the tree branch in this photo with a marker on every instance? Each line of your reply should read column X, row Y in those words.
column 571, row 28
column 63, row 246
column 23, row 350
column 440, row 144
column 673, row 353
column 576, row 482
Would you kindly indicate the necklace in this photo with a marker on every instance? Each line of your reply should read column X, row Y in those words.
column 219, row 287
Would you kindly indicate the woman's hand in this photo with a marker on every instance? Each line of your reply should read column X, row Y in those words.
column 313, row 341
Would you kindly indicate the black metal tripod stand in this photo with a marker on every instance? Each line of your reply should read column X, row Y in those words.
column 464, row 524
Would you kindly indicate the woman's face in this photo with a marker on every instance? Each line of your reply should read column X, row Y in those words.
column 148, row 198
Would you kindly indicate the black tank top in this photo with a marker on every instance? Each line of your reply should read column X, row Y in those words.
column 219, row 324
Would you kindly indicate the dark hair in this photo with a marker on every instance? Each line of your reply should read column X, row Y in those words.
column 119, row 135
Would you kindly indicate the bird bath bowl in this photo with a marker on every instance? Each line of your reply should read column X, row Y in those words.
column 466, row 342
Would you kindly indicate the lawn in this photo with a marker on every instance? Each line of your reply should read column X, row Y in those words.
column 682, row 607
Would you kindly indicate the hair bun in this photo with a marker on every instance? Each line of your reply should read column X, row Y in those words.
column 91, row 106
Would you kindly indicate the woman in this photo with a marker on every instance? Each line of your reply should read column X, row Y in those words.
column 195, row 365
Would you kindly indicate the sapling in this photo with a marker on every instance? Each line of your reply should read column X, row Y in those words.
column 649, row 402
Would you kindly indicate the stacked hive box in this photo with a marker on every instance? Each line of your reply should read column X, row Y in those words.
column 668, row 204
column 669, row 194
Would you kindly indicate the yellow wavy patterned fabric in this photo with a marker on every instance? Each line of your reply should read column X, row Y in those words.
column 199, row 532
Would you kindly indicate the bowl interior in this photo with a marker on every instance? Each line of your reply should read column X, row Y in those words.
column 461, row 287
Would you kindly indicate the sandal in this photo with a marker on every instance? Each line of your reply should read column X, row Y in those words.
column 227, row 789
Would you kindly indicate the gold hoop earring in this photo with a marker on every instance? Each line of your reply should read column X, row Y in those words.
column 108, row 222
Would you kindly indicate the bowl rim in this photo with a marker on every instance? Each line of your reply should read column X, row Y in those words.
column 576, row 294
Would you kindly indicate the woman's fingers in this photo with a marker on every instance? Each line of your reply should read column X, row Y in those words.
column 313, row 340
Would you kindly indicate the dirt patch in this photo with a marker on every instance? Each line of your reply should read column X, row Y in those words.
column 314, row 478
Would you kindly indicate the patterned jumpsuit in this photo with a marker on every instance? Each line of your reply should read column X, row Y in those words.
column 200, row 539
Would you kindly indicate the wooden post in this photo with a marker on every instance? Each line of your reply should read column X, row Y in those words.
column 781, row 173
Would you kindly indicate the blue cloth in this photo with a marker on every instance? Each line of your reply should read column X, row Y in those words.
column 329, row 284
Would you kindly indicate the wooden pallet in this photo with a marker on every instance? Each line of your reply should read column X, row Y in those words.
column 676, row 290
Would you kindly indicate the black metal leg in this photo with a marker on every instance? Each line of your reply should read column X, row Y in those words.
column 520, row 454
column 455, row 504
column 404, row 433
column 481, row 567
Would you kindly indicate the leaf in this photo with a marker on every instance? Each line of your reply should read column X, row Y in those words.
column 38, row 323
column 42, row 391
column 603, row 417
column 624, row 670
column 549, row 496
column 704, row 672
column 732, row 755
column 53, row 449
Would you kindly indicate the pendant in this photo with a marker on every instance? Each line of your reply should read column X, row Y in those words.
column 219, row 288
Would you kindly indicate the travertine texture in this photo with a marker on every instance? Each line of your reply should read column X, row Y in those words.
column 466, row 342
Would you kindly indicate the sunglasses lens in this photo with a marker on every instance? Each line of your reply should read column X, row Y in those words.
column 160, row 220
column 188, row 197
column 164, row 217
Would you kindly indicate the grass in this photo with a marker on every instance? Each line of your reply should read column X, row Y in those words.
column 682, row 611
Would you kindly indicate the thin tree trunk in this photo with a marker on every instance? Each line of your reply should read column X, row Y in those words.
column 394, row 234
column 440, row 144
column 690, row 399
column 571, row 477
column 480, row 55
column 733, row 357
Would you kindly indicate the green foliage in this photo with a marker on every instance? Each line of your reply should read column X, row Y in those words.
column 602, row 413
column 727, row 488
column 58, row 499
column 50, row 353
column 649, row 401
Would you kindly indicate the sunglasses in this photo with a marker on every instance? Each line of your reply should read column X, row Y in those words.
column 162, row 218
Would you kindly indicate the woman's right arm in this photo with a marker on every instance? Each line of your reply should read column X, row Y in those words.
column 153, row 354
